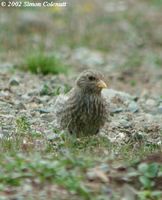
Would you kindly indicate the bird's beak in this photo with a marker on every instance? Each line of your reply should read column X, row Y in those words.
column 101, row 84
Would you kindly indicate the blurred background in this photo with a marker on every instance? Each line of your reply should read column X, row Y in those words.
column 121, row 38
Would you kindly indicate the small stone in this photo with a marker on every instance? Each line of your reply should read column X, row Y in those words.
column 111, row 94
column 120, row 101
column 133, row 107
column 14, row 82
column 139, row 135
column 104, row 167
column 151, row 103
column 97, row 174
column 159, row 143
column 4, row 93
column 124, row 123
column 27, row 188
column 44, row 99
column 20, row 106
column 47, row 117
column 25, row 97
column 121, row 135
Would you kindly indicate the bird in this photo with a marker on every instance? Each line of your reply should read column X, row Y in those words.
column 84, row 110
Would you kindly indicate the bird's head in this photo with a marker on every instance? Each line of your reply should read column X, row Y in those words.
column 91, row 81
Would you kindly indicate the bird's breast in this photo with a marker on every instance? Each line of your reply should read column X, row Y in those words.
column 89, row 108
column 83, row 114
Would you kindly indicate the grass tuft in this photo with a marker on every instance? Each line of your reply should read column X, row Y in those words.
column 44, row 64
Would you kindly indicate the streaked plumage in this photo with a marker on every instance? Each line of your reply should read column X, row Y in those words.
column 85, row 110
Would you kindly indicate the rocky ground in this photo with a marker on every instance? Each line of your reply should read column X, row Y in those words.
column 23, row 94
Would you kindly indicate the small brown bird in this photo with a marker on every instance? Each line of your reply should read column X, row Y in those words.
column 85, row 110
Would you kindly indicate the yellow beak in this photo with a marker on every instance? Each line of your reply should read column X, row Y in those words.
column 101, row 84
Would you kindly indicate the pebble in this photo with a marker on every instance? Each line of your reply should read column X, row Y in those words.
column 47, row 117
column 104, row 167
column 124, row 123
column 4, row 94
column 25, row 97
column 120, row 101
column 151, row 103
column 121, row 135
column 110, row 94
column 20, row 106
column 133, row 107
column 14, row 82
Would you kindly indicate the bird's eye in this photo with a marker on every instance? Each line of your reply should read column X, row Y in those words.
column 91, row 78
